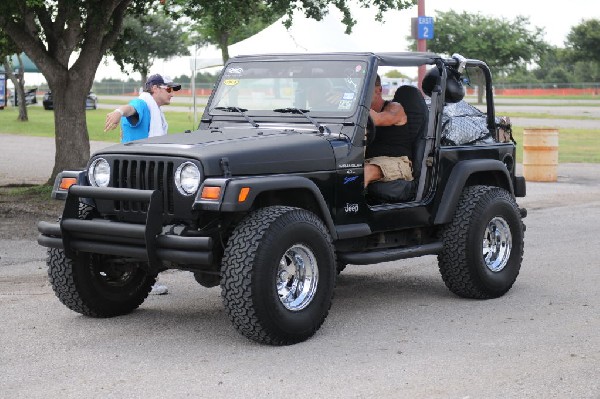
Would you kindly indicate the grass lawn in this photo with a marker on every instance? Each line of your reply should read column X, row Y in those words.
column 553, row 97
column 540, row 115
column 41, row 123
column 576, row 145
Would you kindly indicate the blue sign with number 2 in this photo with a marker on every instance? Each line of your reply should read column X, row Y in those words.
column 425, row 28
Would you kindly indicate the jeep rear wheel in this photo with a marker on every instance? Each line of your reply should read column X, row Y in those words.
column 278, row 275
column 483, row 245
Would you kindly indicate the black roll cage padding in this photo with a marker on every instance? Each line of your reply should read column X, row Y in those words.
column 489, row 94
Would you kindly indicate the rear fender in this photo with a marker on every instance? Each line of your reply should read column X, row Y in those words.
column 462, row 175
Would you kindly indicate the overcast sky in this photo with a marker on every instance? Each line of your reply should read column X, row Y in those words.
column 556, row 18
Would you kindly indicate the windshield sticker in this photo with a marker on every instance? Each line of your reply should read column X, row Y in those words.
column 345, row 104
column 358, row 68
column 348, row 96
column 235, row 71
column 231, row 82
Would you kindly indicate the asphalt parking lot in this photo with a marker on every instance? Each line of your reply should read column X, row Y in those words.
column 394, row 329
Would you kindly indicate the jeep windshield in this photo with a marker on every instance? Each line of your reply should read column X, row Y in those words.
column 323, row 88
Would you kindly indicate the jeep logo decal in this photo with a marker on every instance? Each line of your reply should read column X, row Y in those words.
column 351, row 208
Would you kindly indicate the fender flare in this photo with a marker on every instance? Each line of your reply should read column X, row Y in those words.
column 457, row 180
column 231, row 188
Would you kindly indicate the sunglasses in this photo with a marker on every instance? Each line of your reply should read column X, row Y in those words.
column 167, row 88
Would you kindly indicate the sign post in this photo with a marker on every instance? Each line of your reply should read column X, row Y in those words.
column 422, row 30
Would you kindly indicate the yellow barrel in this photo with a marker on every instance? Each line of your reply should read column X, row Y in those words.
column 540, row 154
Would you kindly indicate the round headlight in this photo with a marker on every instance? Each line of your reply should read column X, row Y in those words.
column 99, row 172
column 187, row 178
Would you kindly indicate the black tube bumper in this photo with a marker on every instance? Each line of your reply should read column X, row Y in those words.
column 146, row 241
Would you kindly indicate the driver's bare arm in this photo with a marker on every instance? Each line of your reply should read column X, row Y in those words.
column 392, row 114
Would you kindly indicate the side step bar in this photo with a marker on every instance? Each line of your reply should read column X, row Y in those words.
column 389, row 254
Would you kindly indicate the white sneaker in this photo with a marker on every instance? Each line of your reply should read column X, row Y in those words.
column 159, row 289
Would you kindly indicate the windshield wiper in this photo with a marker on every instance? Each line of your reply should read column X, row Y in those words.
column 293, row 110
column 241, row 111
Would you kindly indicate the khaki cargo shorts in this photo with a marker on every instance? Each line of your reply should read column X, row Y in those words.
column 393, row 168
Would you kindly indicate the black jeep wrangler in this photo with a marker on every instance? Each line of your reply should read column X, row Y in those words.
column 267, row 197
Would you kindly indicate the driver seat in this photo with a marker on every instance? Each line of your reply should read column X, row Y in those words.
column 412, row 100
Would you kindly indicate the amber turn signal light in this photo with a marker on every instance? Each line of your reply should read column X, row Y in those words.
column 211, row 193
column 243, row 194
column 67, row 182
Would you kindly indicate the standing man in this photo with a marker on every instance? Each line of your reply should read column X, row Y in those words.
column 143, row 118
column 387, row 157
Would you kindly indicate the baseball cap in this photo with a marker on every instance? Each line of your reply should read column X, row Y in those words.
column 160, row 80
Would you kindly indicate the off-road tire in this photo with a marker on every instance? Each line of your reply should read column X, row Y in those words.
column 251, row 268
column 462, row 262
column 87, row 285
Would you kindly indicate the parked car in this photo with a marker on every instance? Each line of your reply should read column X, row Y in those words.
column 91, row 102
column 30, row 97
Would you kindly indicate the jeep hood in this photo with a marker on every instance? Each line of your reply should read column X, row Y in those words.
column 249, row 151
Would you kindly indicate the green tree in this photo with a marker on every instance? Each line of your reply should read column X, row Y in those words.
column 584, row 40
column 396, row 74
column 554, row 67
column 505, row 45
column 17, row 75
column 586, row 72
column 147, row 38
column 67, row 39
column 225, row 25
column 225, row 22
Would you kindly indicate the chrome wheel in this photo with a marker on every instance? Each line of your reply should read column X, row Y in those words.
column 497, row 244
column 297, row 277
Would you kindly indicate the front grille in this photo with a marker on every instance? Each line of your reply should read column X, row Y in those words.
column 146, row 172
column 144, row 175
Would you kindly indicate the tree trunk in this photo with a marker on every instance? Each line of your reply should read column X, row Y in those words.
column 224, row 45
column 70, row 127
column 479, row 79
column 19, row 84
column 144, row 75
column 23, row 103
column 480, row 92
